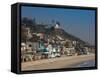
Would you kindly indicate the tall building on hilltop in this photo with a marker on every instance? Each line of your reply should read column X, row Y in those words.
column 57, row 26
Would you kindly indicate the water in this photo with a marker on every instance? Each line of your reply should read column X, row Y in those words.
column 90, row 63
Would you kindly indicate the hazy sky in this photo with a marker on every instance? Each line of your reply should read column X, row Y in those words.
column 80, row 23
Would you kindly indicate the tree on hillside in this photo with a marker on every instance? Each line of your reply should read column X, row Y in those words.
column 23, row 34
column 28, row 21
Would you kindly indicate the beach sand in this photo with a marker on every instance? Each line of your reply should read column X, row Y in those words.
column 56, row 63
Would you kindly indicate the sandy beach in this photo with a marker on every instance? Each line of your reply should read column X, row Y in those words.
column 56, row 63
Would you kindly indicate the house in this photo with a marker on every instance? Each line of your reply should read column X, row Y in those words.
column 25, row 55
column 90, row 48
column 29, row 34
column 23, row 47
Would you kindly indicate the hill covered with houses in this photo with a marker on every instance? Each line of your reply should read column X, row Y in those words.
column 52, row 31
column 49, row 40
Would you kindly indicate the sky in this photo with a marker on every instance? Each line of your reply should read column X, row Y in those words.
column 78, row 22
